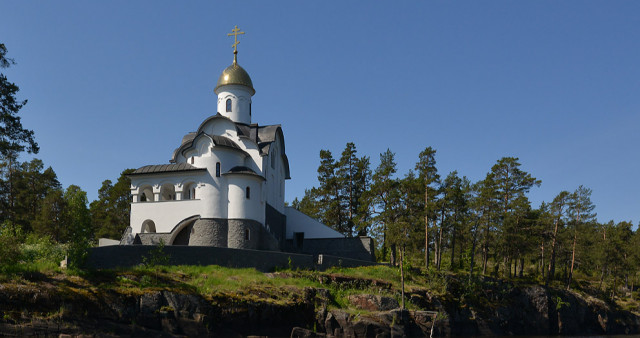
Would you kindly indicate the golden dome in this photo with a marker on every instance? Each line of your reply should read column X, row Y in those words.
column 235, row 75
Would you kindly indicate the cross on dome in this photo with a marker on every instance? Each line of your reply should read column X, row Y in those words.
column 236, row 31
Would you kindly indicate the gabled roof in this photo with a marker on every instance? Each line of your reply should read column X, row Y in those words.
column 221, row 141
column 242, row 170
column 165, row 168
column 263, row 136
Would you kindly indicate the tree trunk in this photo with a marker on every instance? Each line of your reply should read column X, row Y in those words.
column 602, row 276
column 393, row 255
column 521, row 271
column 485, row 247
column 453, row 239
column 440, row 241
column 473, row 249
column 426, row 225
column 402, row 273
column 542, row 258
column 435, row 243
column 573, row 251
column 552, row 261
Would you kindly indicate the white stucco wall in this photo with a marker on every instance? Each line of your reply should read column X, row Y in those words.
column 240, row 103
column 165, row 215
column 239, row 206
column 299, row 222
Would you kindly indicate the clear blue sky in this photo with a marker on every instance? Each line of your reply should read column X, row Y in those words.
column 115, row 85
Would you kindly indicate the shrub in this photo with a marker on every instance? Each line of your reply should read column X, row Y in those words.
column 9, row 245
column 42, row 249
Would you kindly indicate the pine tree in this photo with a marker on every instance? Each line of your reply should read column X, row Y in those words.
column 353, row 177
column 383, row 197
column 428, row 173
column 580, row 211
column 511, row 184
column 557, row 209
column 13, row 137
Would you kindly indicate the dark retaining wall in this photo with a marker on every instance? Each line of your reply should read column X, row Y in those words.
column 359, row 248
column 109, row 257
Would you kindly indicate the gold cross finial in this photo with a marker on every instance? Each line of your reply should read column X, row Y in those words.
column 236, row 31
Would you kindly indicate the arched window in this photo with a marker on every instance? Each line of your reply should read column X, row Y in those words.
column 146, row 194
column 191, row 159
column 217, row 169
column 148, row 226
column 167, row 192
column 248, row 193
column 190, row 191
column 246, row 234
column 228, row 105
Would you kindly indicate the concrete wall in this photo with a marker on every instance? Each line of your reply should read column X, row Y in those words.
column 276, row 222
column 110, row 257
column 299, row 222
column 360, row 248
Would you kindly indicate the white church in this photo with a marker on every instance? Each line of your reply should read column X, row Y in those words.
column 225, row 184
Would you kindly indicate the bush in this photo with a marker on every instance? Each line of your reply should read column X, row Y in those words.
column 42, row 249
column 9, row 246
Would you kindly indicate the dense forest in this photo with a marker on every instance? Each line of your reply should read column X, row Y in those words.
column 433, row 221
column 487, row 227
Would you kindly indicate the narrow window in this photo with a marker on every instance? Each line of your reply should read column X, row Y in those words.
column 246, row 234
column 193, row 193
column 248, row 193
column 228, row 105
column 217, row 169
column 191, row 159
column 249, row 109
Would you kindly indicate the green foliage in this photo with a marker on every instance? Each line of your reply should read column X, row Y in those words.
column 339, row 199
column 42, row 250
column 9, row 245
column 156, row 256
column 560, row 304
column 110, row 212
column 78, row 225
column 14, row 138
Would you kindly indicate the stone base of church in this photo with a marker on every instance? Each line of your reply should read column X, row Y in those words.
column 215, row 232
column 209, row 232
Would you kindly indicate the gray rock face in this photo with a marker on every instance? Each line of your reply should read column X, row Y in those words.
column 127, row 237
column 373, row 302
column 395, row 323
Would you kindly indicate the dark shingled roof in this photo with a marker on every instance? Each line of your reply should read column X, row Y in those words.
column 164, row 168
column 263, row 136
column 225, row 142
column 242, row 170
column 188, row 138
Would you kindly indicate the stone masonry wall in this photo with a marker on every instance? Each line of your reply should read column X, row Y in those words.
column 210, row 232
column 237, row 237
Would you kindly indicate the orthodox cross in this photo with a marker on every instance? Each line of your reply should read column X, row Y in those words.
column 236, row 31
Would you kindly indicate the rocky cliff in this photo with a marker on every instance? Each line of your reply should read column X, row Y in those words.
column 46, row 305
